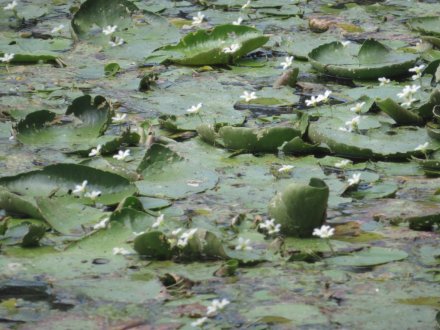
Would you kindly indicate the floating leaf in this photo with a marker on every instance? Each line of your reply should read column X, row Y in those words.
column 428, row 25
column 369, row 61
column 401, row 115
column 153, row 245
column 369, row 257
column 61, row 179
column 205, row 47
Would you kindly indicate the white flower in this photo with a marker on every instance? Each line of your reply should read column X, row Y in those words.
column 116, row 42
column 176, row 232
column 358, row 107
column 197, row 20
column 122, row 154
column 11, row 6
column 422, row 147
column 247, row 4
column 7, row 57
column 248, row 96
column 351, row 125
column 324, row 232
column 345, row 43
column 312, row 102
column 158, row 221
column 119, row 118
column 109, row 29
column 183, row 240
column 80, row 189
column 93, row 195
column 199, row 322
column 243, row 244
column 121, row 251
column 343, row 163
column 57, row 29
column 383, row 81
column 408, row 102
column 238, row 21
column 195, row 109
column 95, row 151
column 418, row 71
column 408, row 91
column 286, row 168
column 231, row 49
column 138, row 233
column 102, row 224
column 355, row 179
column 217, row 305
column 324, row 97
column 287, row 63
column 270, row 226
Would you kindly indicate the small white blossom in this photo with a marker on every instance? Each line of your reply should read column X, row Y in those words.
column 93, row 195
column 199, row 322
column 197, row 20
column 176, row 232
column 345, row 43
column 217, row 305
column 57, row 29
column 422, row 147
column 407, row 94
column 343, row 163
column 119, row 118
column 121, row 251
column 243, row 244
column 158, row 221
column 80, row 189
column 122, row 154
column 231, row 49
column 248, row 96
column 195, row 109
column 247, row 4
column 312, row 102
column 408, row 102
column 288, row 62
column 270, row 226
column 109, row 29
column 384, row 81
column 116, row 42
column 286, row 168
column 238, row 21
column 95, row 151
column 358, row 107
column 354, row 180
column 102, row 224
column 7, row 57
column 418, row 71
column 185, row 237
column 324, row 232
column 324, row 97
column 10, row 6
column 351, row 125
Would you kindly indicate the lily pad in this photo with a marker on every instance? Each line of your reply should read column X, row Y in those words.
column 61, row 179
column 369, row 61
column 368, row 257
column 427, row 25
column 154, row 245
column 205, row 47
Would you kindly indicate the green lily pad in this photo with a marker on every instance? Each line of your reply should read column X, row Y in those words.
column 401, row 115
column 141, row 31
column 19, row 204
column 369, row 61
column 368, row 257
column 68, row 216
column 26, row 234
column 168, row 175
column 89, row 120
column 154, row 245
column 294, row 313
column 61, row 179
column 428, row 25
column 205, row 47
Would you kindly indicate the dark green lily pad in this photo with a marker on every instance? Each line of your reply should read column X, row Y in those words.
column 401, row 115
column 153, row 245
column 369, row 61
column 61, row 179
column 205, row 47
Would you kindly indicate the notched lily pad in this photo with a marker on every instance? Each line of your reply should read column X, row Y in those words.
column 368, row 257
column 371, row 60
column 427, row 25
column 153, row 245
